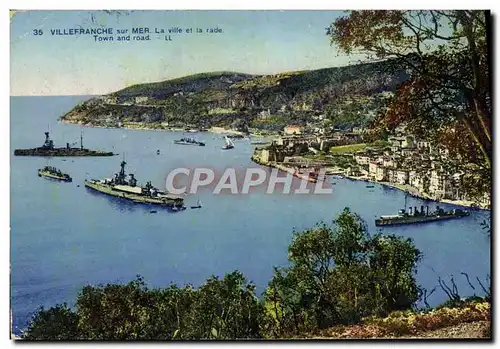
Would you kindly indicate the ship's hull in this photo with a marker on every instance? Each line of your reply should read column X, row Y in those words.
column 415, row 220
column 60, row 152
column 141, row 199
column 53, row 176
column 200, row 144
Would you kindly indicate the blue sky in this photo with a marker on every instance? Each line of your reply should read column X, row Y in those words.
column 258, row 42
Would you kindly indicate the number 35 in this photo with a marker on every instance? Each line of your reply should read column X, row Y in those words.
column 37, row 32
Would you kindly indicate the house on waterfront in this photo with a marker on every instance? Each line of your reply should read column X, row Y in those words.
column 391, row 175
column 441, row 185
column 353, row 172
column 402, row 176
column 381, row 173
column 372, row 169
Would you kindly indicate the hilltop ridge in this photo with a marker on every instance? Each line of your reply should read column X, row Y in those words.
column 239, row 100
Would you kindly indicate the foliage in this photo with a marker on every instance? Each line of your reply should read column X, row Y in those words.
column 220, row 309
column 56, row 323
column 340, row 274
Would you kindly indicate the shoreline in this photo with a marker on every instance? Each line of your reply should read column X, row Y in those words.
column 144, row 127
column 404, row 188
column 414, row 193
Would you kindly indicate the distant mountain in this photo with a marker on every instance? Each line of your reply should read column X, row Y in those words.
column 238, row 100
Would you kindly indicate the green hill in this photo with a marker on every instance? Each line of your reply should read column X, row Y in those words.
column 238, row 100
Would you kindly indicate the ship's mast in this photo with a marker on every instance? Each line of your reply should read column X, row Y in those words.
column 81, row 139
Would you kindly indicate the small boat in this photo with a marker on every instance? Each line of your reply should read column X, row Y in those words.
column 370, row 186
column 158, row 152
column 153, row 211
column 189, row 141
column 229, row 144
column 178, row 208
column 198, row 205
column 54, row 173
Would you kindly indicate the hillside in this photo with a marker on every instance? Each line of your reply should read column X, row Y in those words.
column 238, row 100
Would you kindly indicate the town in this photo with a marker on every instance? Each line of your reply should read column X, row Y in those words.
column 402, row 161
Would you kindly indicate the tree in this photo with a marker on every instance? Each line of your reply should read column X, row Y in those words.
column 393, row 261
column 56, row 323
column 448, row 55
column 338, row 274
column 226, row 308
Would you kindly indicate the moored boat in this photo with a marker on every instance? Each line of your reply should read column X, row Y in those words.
column 189, row 141
column 413, row 216
column 48, row 149
column 148, row 194
column 54, row 173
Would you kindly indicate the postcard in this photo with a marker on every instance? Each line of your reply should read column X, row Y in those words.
column 250, row 175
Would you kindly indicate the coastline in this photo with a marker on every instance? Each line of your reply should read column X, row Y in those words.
column 405, row 188
column 144, row 127
column 414, row 193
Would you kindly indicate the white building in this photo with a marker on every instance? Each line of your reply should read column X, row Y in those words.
column 401, row 177
column 441, row 185
column 388, row 162
column 372, row 168
column 362, row 159
column 381, row 174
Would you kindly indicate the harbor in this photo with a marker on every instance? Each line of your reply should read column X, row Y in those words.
column 91, row 232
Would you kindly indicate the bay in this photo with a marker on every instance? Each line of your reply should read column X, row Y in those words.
column 64, row 236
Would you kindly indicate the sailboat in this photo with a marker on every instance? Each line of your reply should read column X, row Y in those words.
column 229, row 144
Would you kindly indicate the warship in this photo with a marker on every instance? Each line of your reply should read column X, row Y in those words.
column 413, row 216
column 189, row 141
column 53, row 173
column 120, row 187
column 48, row 149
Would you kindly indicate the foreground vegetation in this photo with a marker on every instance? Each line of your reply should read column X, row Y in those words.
column 338, row 275
column 417, row 324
